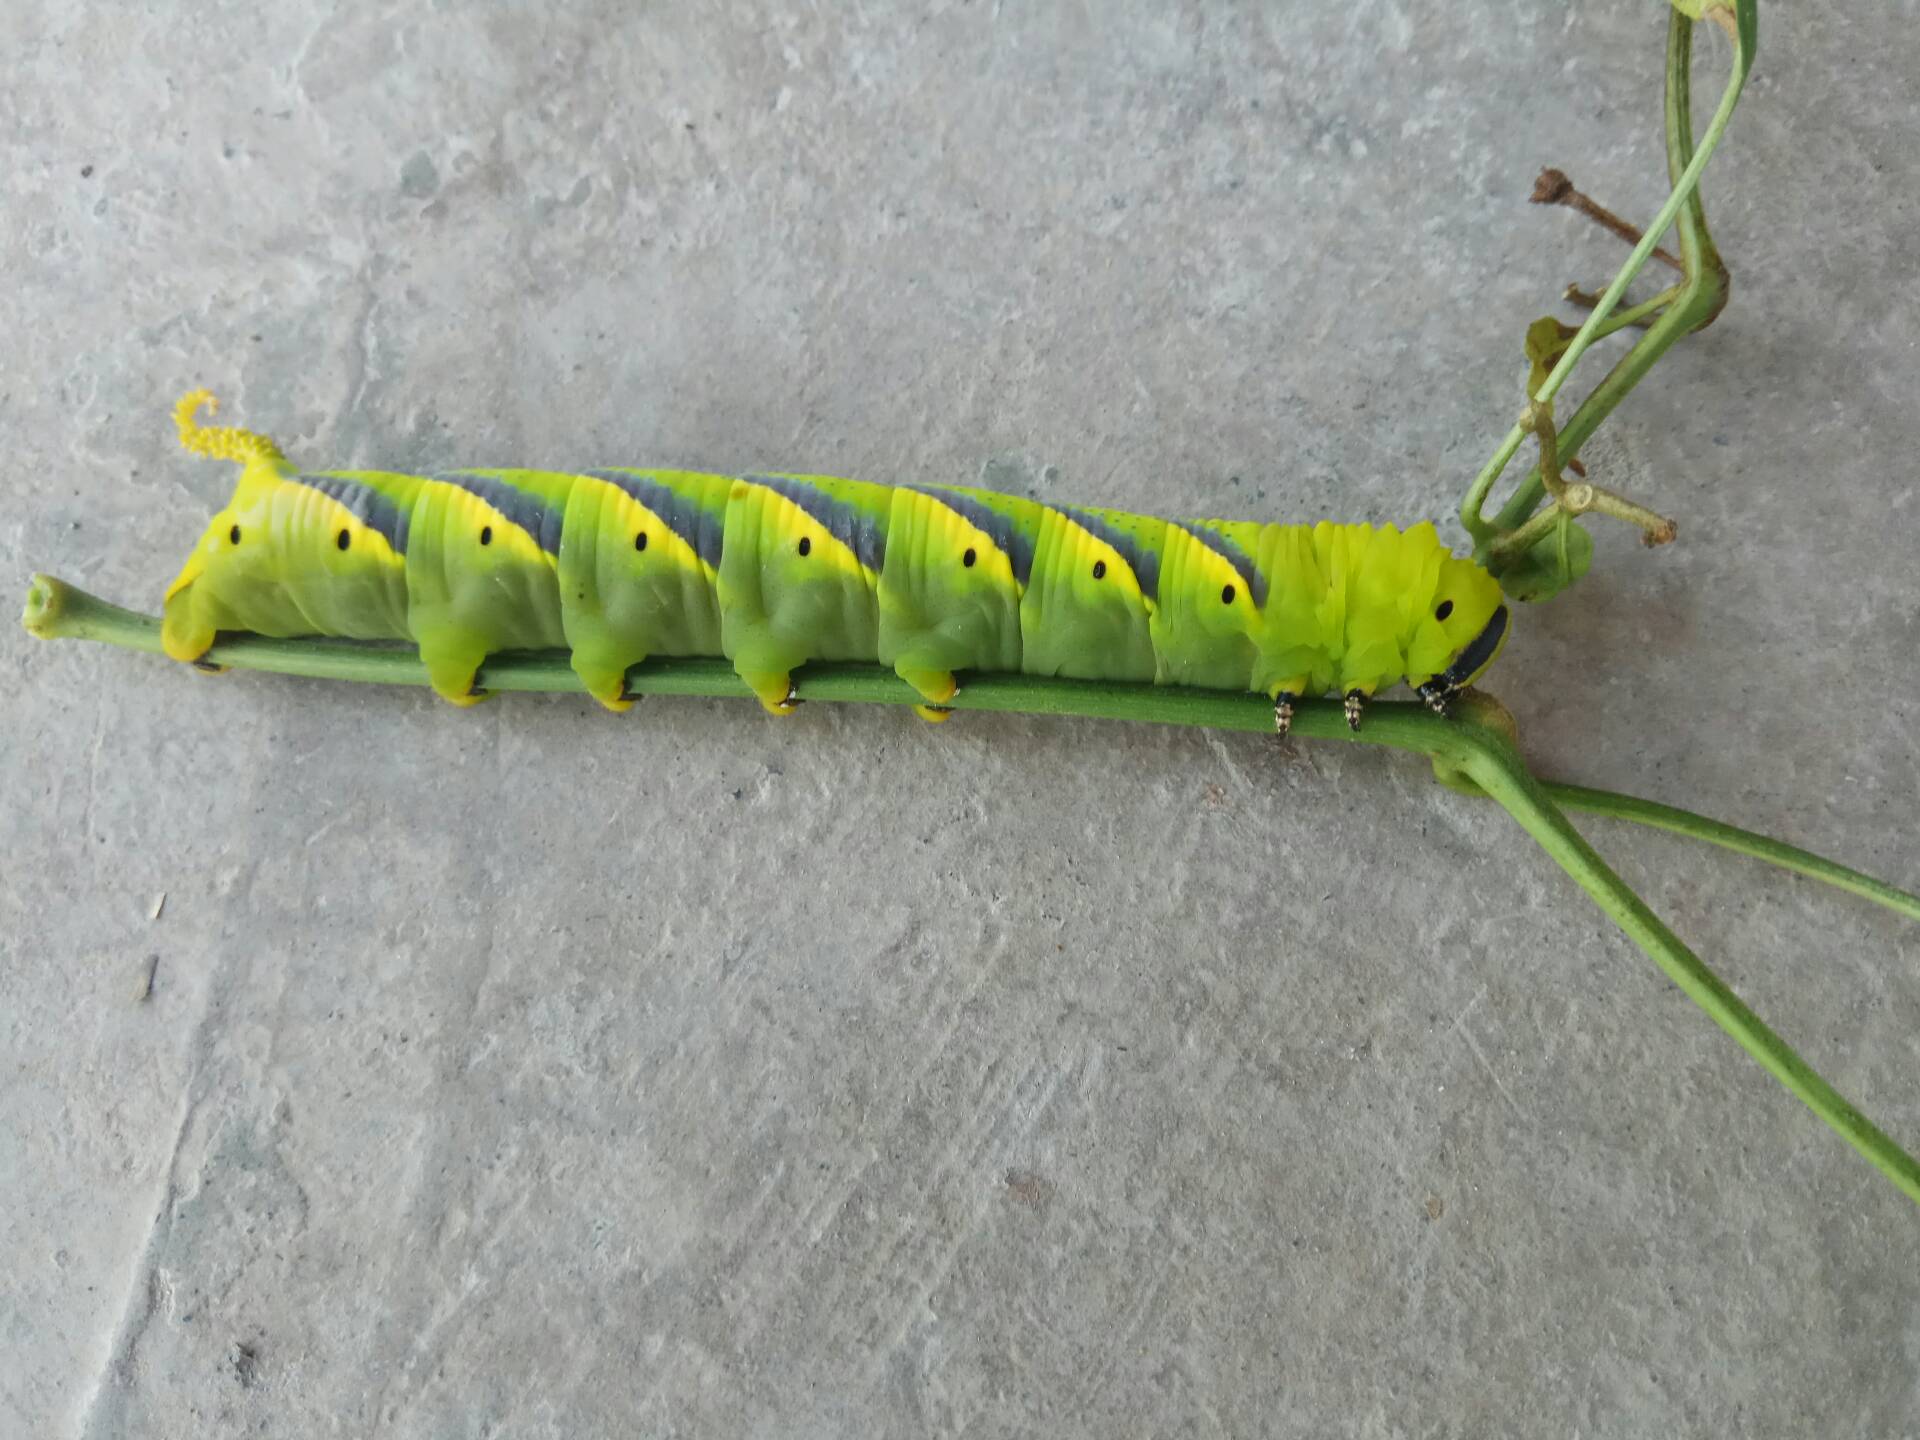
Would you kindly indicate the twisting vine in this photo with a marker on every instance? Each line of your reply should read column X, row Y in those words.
column 1537, row 555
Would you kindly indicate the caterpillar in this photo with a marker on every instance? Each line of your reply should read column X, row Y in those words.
column 773, row 571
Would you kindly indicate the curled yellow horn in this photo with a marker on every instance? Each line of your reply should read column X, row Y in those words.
column 221, row 442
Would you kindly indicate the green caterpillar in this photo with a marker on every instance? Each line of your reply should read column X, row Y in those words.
column 772, row 571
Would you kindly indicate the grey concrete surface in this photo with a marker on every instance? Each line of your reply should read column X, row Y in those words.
column 527, row 1072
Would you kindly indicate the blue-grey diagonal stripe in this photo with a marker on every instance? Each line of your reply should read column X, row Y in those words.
column 1233, row 555
column 1145, row 563
column 853, row 528
column 1016, row 546
column 368, row 506
column 702, row 530
column 529, row 512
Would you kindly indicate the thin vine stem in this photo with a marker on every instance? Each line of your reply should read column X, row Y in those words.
column 1506, row 780
column 1468, row 748
column 1701, row 294
column 1612, row 805
column 1642, row 314
column 1584, row 800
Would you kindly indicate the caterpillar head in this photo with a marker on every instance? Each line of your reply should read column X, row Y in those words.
column 1464, row 632
column 232, row 549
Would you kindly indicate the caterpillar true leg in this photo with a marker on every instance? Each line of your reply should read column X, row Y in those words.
column 1283, row 713
column 1356, row 707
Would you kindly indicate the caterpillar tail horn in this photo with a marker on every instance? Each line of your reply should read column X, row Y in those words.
column 218, row 442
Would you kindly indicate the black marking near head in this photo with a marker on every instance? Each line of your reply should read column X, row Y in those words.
column 365, row 504
column 532, row 514
column 1144, row 563
column 1456, row 675
column 1005, row 534
column 701, row 529
column 1243, row 565
column 1446, row 609
column 860, row 532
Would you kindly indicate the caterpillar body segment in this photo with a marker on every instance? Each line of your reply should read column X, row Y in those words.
column 483, row 556
column 799, row 577
column 774, row 571
column 326, row 557
column 639, row 564
column 949, row 592
column 1210, row 618
column 1088, row 610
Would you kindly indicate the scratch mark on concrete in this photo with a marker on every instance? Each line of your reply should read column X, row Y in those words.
column 106, row 1406
column 1474, row 1046
column 93, row 778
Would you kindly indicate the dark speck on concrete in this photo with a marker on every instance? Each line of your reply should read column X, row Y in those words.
column 1031, row 1190
column 419, row 179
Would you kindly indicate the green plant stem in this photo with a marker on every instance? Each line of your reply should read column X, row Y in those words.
column 1584, row 499
column 1505, row 779
column 1641, row 314
column 1583, row 800
column 1701, row 295
column 1468, row 747
column 58, row 611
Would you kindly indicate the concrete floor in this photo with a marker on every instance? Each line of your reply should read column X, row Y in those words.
column 532, row 1073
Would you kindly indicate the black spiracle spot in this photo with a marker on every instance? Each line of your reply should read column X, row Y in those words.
column 343, row 539
column 640, row 541
column 233, row 535
column 1099, row 569
column 1226, row 595
column 1446, row 609
column 968, row 559
column 806, row 545
column 486, row 534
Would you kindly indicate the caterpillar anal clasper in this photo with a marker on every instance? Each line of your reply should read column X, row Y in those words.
column 774, row 571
